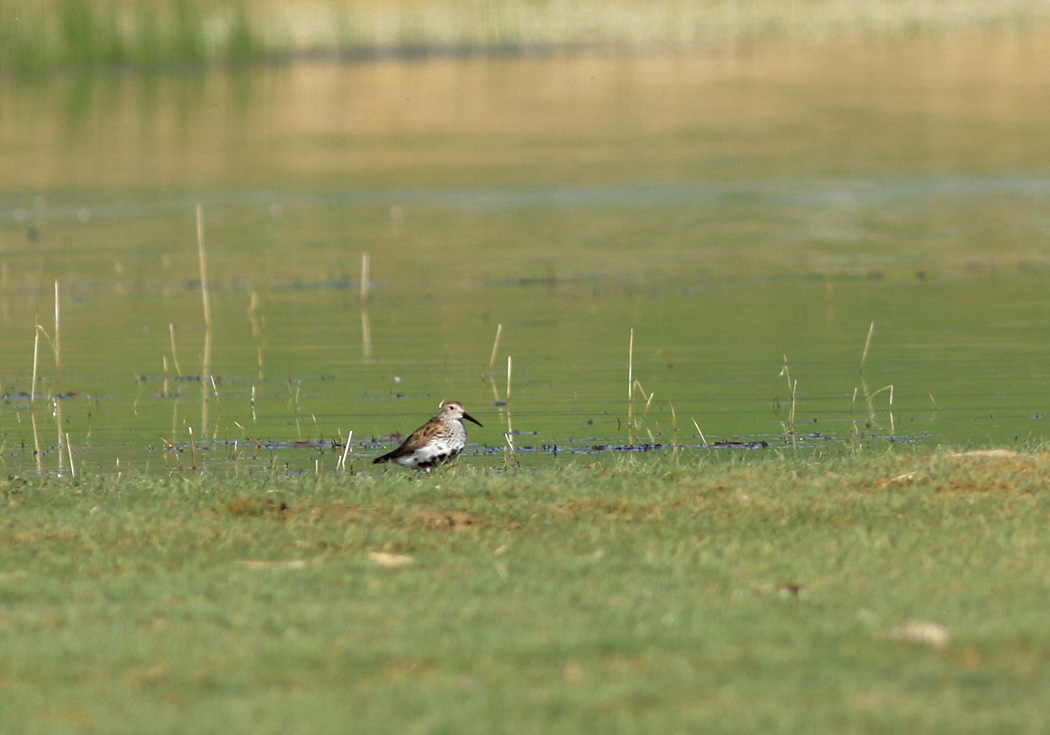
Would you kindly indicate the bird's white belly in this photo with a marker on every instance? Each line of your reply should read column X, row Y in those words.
column 432, row 453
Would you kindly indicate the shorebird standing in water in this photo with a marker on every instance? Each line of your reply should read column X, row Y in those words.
column 439, row 440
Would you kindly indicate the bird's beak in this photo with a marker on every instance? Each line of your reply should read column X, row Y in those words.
column 468, row 417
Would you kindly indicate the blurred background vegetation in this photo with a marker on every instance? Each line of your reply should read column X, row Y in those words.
column 38, row 36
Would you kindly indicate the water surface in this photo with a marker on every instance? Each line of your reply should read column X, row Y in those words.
column 735, row 208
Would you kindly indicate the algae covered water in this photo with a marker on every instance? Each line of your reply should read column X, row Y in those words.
column 811, row 257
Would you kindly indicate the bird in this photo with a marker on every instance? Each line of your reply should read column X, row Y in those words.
column 437, row 441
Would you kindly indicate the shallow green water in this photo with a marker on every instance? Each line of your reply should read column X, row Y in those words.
column 732, row 208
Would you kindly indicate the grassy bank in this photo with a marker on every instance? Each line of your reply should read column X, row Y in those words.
column 143, row 34
column 890, row 593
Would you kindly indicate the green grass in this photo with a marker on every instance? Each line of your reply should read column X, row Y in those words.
column 126, row 34
column 40, row 35
column 690, row 593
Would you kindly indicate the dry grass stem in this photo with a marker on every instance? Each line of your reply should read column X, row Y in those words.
column 674, row 425
column 36, row 358
column 880, row 390
column 174, row 354
column 253, row 309
column 57, row 393
column 36, row 444
column 258, row 444
column 700, row 432
column 630, row 390
column 69, row 450
column 867, row 346
column 870, row 399
column 793, row 388
column 495, row 346
column 346, row 450
column 366, row 335
column 32, row 397
column 364, row 278
column 175, row 415
column 206, row 358
column 648, row 398
column 630, row 367
column 508, row 435
column 56, row 345
column 509, row 454
column 203, row 266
